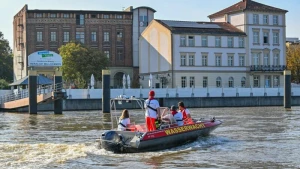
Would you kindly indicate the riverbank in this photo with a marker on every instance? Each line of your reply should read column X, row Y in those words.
column 191, row 102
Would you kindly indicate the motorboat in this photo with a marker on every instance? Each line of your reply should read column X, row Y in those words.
column 137, row 139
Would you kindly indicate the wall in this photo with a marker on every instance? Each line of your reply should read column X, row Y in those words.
column 155, row 51
column 195, row 102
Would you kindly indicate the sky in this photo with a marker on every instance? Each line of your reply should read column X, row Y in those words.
column 188, row 10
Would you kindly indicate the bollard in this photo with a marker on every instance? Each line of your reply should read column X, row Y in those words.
column 287, row 89
column 105, row 91
column 58, row 104
column 32, row 81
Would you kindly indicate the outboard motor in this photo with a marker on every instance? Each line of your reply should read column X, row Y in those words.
column 111, row 141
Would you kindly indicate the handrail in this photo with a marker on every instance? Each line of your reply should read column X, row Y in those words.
column 24, row 93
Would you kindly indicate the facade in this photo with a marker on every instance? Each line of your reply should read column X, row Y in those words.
column 110, row 32
column 265, row 27
column 242, row 46
column 192, row 54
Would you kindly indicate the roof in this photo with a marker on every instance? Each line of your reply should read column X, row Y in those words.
column 247, row 5
column 73, row 11
column 42, row 80
column 194, row 27
column 146, row 8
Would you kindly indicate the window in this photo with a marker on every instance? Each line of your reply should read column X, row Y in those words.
column 192, row 82
column 94, row 36
column 39, row 15
column 255, row 19
column 230, row 82
column 119, row 16
column 255, row 59
column 219, row 82
column 256, row 37
column 105, row 16
column 241, row 42
column 230, row 60
column 182, row 40
column 204, row 41
column 275, row 20
column 265, row 19
column 255, row 81
column 204, row 60
column 53, row 36
column 218, row 60
column 275, row 38
column 182, row 60
column 268, row 81
column 276, row 59
column 241, row 60
column 39, row 36
column 230, row 42
column 66, row 15
column 191, row 60
column 53, row 15
column 266, row 37
column 80, row 37
column 144, row 20
column 183, row 82
column 218, row 41
column 120, row 55
column 79, row 19
column 266, row 59
column 106, row 36
column 243, row 82
column 66, row 36
column 93, row 16
column 106, row 53
column 191, row 41
column 119, row 36
column 276, row 81
column 204, row 82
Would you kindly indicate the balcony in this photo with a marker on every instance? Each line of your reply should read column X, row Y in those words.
column 270, row 68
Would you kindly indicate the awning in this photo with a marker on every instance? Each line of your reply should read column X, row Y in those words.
column 41, row 80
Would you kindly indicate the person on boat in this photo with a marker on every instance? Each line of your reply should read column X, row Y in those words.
column 124, row 120
column 177, row 115
column 187, row 119
column 152, row 113
column 167, row 117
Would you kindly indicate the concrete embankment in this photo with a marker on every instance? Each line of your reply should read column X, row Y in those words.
column 191, row 102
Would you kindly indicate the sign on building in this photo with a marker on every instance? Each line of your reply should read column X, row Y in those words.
column 44, row 59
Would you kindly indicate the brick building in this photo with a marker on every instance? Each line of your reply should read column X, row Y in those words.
column 110, row 32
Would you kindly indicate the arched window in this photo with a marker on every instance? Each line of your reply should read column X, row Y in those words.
column 219, row 82
column 243, row 82
column 230, row 82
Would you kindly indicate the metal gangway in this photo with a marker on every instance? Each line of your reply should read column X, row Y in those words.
column 20, row 98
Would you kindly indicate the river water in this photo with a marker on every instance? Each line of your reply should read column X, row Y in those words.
column 256, row 137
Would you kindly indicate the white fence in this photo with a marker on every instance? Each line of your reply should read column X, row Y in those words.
column 174, row 92
column 180, row 92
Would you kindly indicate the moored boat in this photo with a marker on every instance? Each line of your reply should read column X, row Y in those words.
column 138, row 139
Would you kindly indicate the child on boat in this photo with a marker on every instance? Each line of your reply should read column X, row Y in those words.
column 177, row 115
column 124, row 120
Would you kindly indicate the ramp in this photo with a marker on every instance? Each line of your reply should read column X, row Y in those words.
column 21, row 99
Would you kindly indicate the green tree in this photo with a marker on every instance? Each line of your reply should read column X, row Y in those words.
column 293, row 61
column 6, row 60
column 80, row 62
column 4, row 84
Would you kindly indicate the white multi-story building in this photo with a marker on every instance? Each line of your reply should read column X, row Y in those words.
column 192, row 54
column 242, row 46
column 265, row 27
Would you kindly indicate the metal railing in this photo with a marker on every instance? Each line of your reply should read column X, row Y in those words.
column 268, row 67
column 24, row 93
